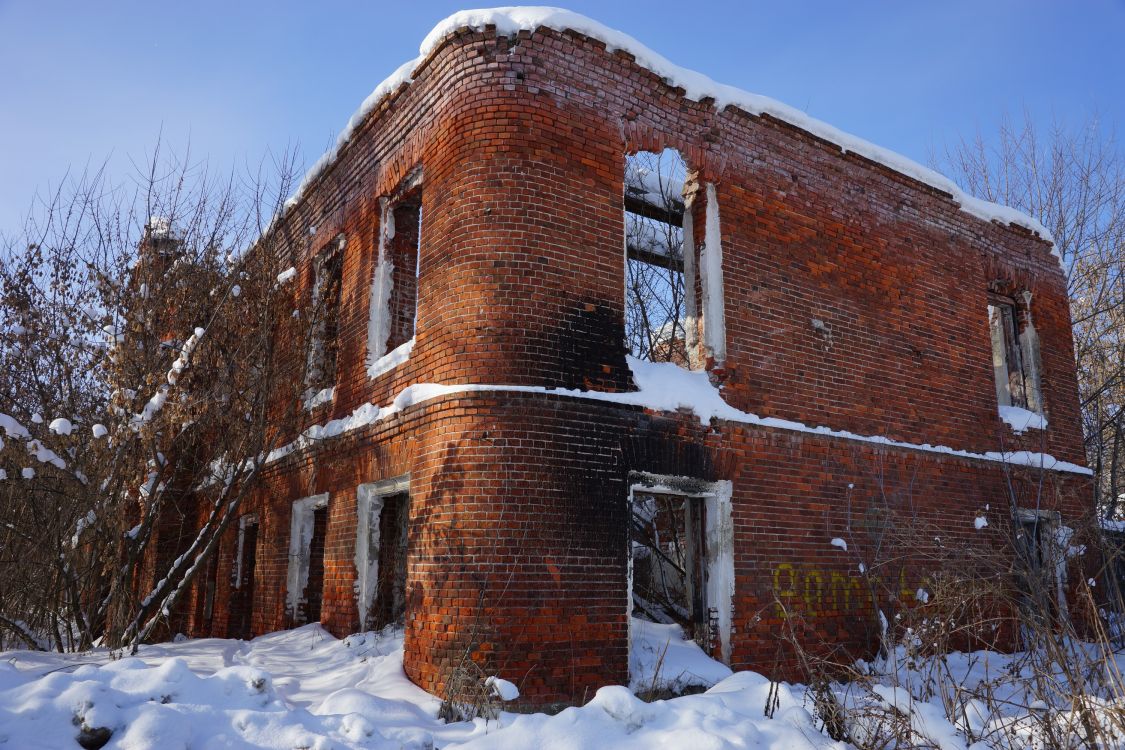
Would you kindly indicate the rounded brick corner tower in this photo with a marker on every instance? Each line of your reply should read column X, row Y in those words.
column 518, row 551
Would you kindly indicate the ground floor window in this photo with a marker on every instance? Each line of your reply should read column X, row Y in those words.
column 242, row 578
column 1040, row 543
column 681, row 557
column 305, row 584
column 382, row 535
column 206, row 602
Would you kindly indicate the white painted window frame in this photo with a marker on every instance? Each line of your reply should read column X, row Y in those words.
column 369, row 505
column 718, row 537
column 298, row 574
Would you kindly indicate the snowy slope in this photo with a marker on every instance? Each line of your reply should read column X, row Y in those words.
column 305, row 689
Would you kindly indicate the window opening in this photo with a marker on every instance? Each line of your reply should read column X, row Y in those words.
column 404, row 250
column 390, row 601
column 394, row 289
column 328, row 266
column 1015, row 350
column 1037, row 577
column 210, row 581
column 1114, row 541
column 305, row 581
column 1007, row 360
column 381, row 552
column 239, row 623
column 314, row 589
column 656, row 298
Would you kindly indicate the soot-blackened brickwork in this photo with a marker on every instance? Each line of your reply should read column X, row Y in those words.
column 518, row 548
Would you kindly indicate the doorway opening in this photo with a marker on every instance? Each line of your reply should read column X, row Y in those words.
column 382, row 538
column 239, row 624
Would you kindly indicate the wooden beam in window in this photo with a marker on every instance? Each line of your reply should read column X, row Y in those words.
column 670, row 214
column 655, row 259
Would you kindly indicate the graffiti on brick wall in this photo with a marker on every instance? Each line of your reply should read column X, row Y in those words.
column 815, row 591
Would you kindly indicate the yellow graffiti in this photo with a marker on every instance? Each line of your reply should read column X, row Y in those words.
column 819, row 592
column 786, row 595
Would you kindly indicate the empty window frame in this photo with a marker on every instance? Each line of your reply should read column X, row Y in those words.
column 241, row 608
column 305, row 581
column 681, row 557
column 394, row 289
column 655, row 291
column 1015, row 352
column 382, row 535
column 1040, row 543
column 323, row 345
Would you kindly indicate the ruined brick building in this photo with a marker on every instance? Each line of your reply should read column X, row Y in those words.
column 852, row 329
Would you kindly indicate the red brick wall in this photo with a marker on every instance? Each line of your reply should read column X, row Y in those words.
column 517, row 550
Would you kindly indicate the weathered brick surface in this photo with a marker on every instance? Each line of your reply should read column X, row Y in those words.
column 518, row 549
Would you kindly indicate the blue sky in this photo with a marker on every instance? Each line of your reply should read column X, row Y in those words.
column 83, row 82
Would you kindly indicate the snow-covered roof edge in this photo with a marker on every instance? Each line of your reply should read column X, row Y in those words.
column 696, row 86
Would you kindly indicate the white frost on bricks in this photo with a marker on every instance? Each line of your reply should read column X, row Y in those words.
column 720, row 560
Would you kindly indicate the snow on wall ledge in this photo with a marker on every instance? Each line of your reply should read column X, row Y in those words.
column 1022, row 420
column 661, row 386
column 696, row 86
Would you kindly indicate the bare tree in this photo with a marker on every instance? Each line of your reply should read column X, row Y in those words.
column 655, row 326
column 1073, row 180
column 146, row 378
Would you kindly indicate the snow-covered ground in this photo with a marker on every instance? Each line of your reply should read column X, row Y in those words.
column 304, row 688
